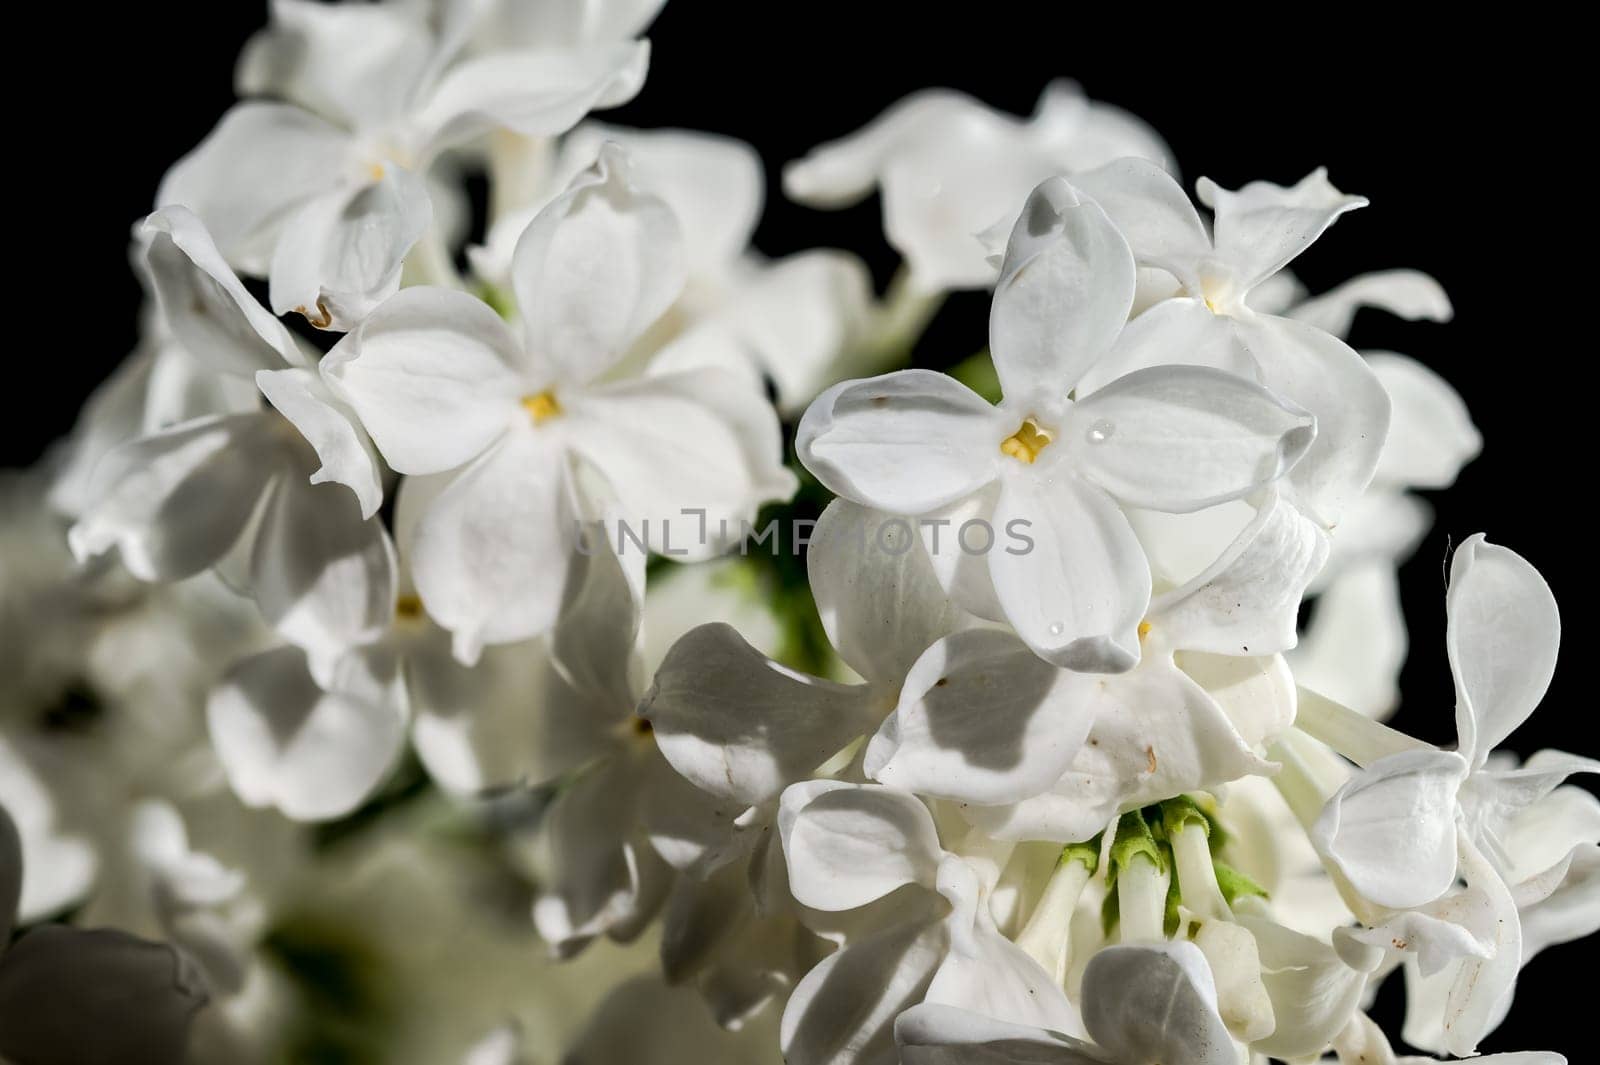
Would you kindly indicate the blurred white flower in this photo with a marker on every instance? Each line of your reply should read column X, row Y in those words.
column 950, row 168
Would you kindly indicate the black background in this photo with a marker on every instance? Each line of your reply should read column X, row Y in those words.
column 1467, row 150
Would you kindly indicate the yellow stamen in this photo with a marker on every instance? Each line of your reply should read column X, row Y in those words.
column 375, row 171
column 408, row 608
column 1144, row 629
column 321, row 317
column 1025, row 444
column 541, row 406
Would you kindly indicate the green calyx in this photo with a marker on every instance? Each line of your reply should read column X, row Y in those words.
column 1235, row 885
column 1086, row 853
column 1134, row 839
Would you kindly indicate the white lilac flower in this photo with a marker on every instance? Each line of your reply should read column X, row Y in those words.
column 1142, row 1005
column 248, row 490
column 443, row 384
column 1034, row 752
column 1414, row 818
column 848, row 846
column 802, row 321
column 1047, row 466
column 1206, row 321
column 950, row 167
column 741, row 726
column 325, row 193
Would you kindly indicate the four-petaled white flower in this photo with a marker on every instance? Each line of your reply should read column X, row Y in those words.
column 326, row 194
column 1049, row 465
column 443, row 384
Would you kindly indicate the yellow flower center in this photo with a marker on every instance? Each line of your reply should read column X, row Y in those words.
column 1144, row 629
column 541, row 406
column 408, row 608
column 1025, row 444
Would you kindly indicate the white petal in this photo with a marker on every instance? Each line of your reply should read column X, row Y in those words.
column 219, row 323
column 341, row 253
column 690, row 456
column 907, row 442
column 1155, row 1003
column 740, row 725
column 510, row 720
column 714, row 184
column 323, row 577
column 430, row 373
column 1431, row 435
column 1314, row 993
column 1436, row 937
column 534, row 92
column 805, row 319
column 1543, row 837
column 1065, row 288
column 1356, row 643
column 1410, row 294
column 492, row 556
column 1572, row 909
column 948, row 165
column 848, row 844
column 595, row 643
column 1324, row 376
column 959, row 539
column 330, row 427
column 1391, row 830
column 53, row 870
column 260, row 162
column 984, row 971
column 1247, row 602
column 1156, row 734
column 1153, row 212
column 174, row 503
column 880, row 601
column 1483, row 989
column 594, row 269
column 1177, row 331
column 930, row 1034
column 1083, row 133
column 68, row 994
column 314, row 754
column 1242, row 998
column 354, row 63
column 843, row 1012
column 1503, row 634
column 602, row 876
column 982, row 719
column 1183, row 438
column 1262, row 226
column 1078, row 586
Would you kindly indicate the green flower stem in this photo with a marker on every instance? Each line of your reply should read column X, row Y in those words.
column 903, row 316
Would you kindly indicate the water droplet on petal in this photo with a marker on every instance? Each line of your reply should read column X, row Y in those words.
column 1101, row 431
column 1056, row 628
